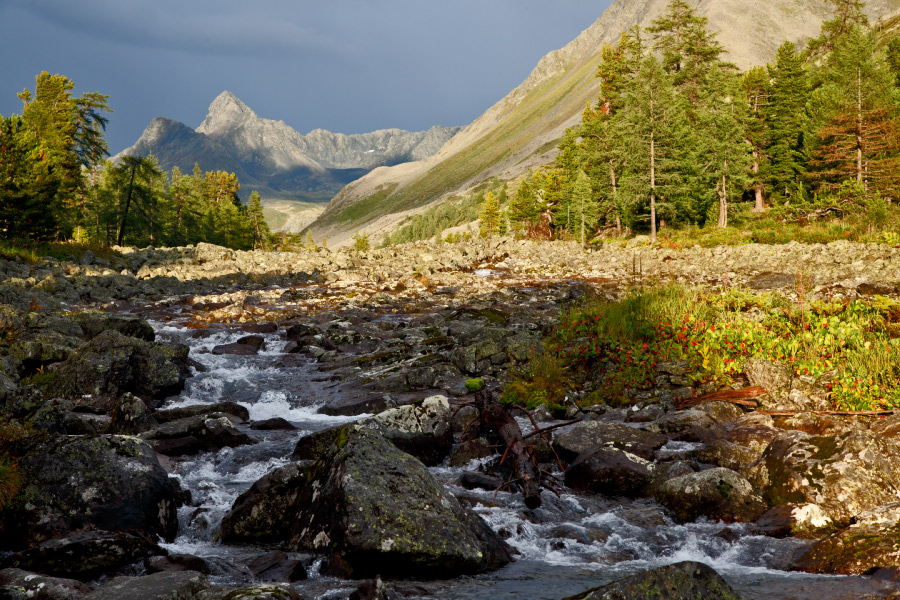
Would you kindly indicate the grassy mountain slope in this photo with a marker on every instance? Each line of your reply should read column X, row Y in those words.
column 520, row 131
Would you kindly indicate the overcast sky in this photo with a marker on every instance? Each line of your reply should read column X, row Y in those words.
column 349, row 66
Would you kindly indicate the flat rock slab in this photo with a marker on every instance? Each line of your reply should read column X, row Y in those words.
column 592, row 435
column 680, row 581
column 40, row 586
column 168, row 585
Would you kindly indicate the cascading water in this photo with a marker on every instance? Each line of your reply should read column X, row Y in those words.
column 570, row 544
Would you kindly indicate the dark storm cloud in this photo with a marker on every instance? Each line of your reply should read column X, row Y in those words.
column 217, row 27
column 345, row 65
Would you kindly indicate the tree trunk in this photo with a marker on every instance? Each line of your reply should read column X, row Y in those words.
column 723, row 202
column 497, row 418
column 859, row 154
column 652, row 189
column 759, row 205
column 121, row 237
column 612, row 178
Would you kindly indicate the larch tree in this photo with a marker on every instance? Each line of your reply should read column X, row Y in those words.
column 585, row 205
column 489, row 217
column 857, row 138
column 650, row 123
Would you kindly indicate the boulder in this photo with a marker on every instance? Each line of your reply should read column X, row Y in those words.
column 680, row 581
column 41, row 586
column 611, row 472
column 277, row 566
column 844, row 475
column 273, row 424
column 173, row 414
column 166, row 585
column 794, row 520
column 592, row 435
column 84, row 556
column 375, row 509
column 422, row 429
column 214, row 431
column 111, row 364
column 264, row 512
column 131, row 416
column 236, row 349
column 95, row 323
column 107, row 482
column 720, row 494
column 177, row 562
column 871, row 542
column 270, row 591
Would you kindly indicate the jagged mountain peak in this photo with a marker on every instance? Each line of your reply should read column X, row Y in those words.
column 224, row 113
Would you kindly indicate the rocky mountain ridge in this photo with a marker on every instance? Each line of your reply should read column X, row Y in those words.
column 519, row 132
column 271, row 157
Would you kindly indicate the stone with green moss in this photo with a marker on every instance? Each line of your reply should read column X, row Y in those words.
column 375, row 509
column 680, row 581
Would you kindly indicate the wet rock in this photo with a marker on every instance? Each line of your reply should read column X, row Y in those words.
column 177, row 562
column 166, row 585
column 844, row 475
column 264, row 513
column 173, row 414
column 112, row 364
column 611, row 472
column 591, row 435
column 421, row 429
column 376, row 509
column 277, row 566
column 273, row 424
column 792, row 519
column 466, row 423
column 131, row 416
column 471, row 450
column 95, row 323
column 84, row 556
column 871, row 542
column 679, row 581
column 720, row 494
column 472, row 480
column 271, row 591
column 41, row 586
column 236, row 349
column 214, row 431
column 108, row 482
column 373, row 589
column 181, row 446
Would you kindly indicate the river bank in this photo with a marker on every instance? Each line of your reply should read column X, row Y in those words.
column 320, row 339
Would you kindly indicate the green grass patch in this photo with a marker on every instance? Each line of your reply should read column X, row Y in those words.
column 853, row 346
column 72, row 251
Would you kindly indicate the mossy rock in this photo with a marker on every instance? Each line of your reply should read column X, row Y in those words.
column 680, row 581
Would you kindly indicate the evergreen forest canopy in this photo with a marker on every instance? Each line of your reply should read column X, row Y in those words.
column 680, row 136
column 57, row 184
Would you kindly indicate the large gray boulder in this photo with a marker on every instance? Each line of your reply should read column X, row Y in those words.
column 167, row 585
column 719, row 493
column 84, row 556
column 843, row 474
column 95, row 323
column 105, row 482
column 111, row 364
column 421, row 429
column 591, row 435
column 680, row 581
column 264, row 513
column 377, row 510
column 41, row 586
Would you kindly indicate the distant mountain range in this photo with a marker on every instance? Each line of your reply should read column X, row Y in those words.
column 520, row 132
column 276, row 160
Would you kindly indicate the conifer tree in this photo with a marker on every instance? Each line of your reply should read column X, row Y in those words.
column 857, row 138
column 524, row 210
column 786, row 120
column 259, row 228
column 586, row 207
column 489, row 217
column 650, row 125
column 757, row 91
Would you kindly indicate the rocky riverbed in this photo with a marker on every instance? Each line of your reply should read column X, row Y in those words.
column 180, row 418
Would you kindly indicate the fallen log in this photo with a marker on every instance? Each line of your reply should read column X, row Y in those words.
column 498, row 418
column 828, row 413
column 744, row 397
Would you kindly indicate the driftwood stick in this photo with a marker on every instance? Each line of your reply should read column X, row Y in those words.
column 831, row 413
column 550, row 428
column 743, row 397
column 497, row 418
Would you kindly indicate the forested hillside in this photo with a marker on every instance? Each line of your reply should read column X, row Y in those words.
column 56, row 184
